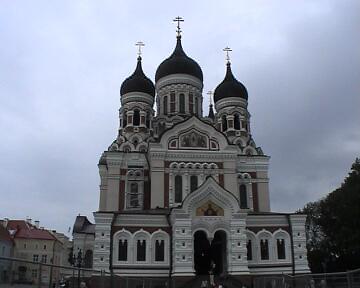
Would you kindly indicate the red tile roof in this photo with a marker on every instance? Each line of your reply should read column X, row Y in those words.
column 23, row 229
column 4, row 234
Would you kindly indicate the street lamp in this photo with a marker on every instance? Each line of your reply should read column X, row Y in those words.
column 77, row 263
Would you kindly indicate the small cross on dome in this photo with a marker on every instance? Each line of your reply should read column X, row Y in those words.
column 227, row 57
column 178, row 20
column 139, row 44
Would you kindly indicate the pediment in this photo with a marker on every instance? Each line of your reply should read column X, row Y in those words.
column 193, row 134
column 210, row 199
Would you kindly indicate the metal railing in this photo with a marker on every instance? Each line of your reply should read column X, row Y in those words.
column 19, row 273
column 349, row 279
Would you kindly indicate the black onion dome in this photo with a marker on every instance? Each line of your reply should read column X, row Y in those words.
column 178, row 63
column 138, row 82
column 230, row 87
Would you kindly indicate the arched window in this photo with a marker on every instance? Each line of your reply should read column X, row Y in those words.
column 147, row 120
column 249, row 250
column 244, row 125
column 191, row 103
column 193, row 183
column 159, row 250
column 182, row 103
column 178, row 189
column 224, row 123
column 165, row 105
column 243, row 197
column 136, row 119
column 134, row 195
column 123, row 248
column 172, row 102
column 141, row 250
column 236, row 122
column 88, row 259
column 264, row 249
column 125, row 120
column 196, row 106
column 280, row 243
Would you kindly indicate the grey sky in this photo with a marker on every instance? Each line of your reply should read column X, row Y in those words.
column 62, row 63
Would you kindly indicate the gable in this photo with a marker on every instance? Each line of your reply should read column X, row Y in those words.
column 193, row 134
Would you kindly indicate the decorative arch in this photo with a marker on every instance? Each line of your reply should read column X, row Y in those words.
column 120, row 239
column 251, row 246
column 141, row 244
column 210, row 190
column 160, row 247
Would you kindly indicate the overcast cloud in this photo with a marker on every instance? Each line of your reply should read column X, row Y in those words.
column 62, row 63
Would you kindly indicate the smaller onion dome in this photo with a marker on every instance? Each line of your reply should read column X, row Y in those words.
column 230, row 87
column 179, row 63
column 138, row 82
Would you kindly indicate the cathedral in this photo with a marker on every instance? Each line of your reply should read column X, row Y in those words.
column 183, row 193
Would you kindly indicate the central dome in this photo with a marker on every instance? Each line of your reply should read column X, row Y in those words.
column 178, row 63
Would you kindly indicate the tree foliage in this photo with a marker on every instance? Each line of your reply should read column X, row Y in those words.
column 333, row 227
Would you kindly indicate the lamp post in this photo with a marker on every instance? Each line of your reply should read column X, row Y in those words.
column 77, row 263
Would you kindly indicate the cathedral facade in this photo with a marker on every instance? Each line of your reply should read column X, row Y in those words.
column 182, row 193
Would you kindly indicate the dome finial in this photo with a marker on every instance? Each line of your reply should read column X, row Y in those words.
column 178, row 19
column 210, row 93
column 227, row 56
column 139, row 44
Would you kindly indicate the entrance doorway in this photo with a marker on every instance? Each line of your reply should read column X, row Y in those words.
column 206, row 252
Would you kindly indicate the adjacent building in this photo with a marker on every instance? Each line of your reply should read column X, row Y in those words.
column 36, row 246
column 83, row 240
column 6, row 250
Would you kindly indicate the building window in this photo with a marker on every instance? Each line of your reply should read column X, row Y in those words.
column 125, row 119
column 136, row 119
column 148, row 120
column 191, row 103
column 196, row 106
column 236, row 122
column 141, row 250
column 35, row 258
column 264, row 249
column 280, row 243
column 165, row 105
column 172, row 102
column 224, row 123
column 134, row 195
column 178, row 189
column 159, row 250
column 43, row 258
column 243, row 197
column 244, row 125
column 182, row 103
column 123, row 248
column 34, row 273
column 249, row 250
column 193, row 183
column 44, row 247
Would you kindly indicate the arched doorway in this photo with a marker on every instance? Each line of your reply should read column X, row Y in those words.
column 201, row 253
column 206, row 252
column 218, row 252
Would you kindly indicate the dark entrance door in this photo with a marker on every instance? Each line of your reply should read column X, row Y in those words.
column 205, row 253
column 201, row 253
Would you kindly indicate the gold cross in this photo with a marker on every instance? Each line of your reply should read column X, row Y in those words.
column 139, row 44
column 178, row 19
column 227, row 50
column 210, row 93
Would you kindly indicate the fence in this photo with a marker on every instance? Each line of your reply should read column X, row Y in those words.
column 349, row 279
column 18, row 273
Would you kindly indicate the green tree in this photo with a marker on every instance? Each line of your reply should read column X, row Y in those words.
column 333, row 227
